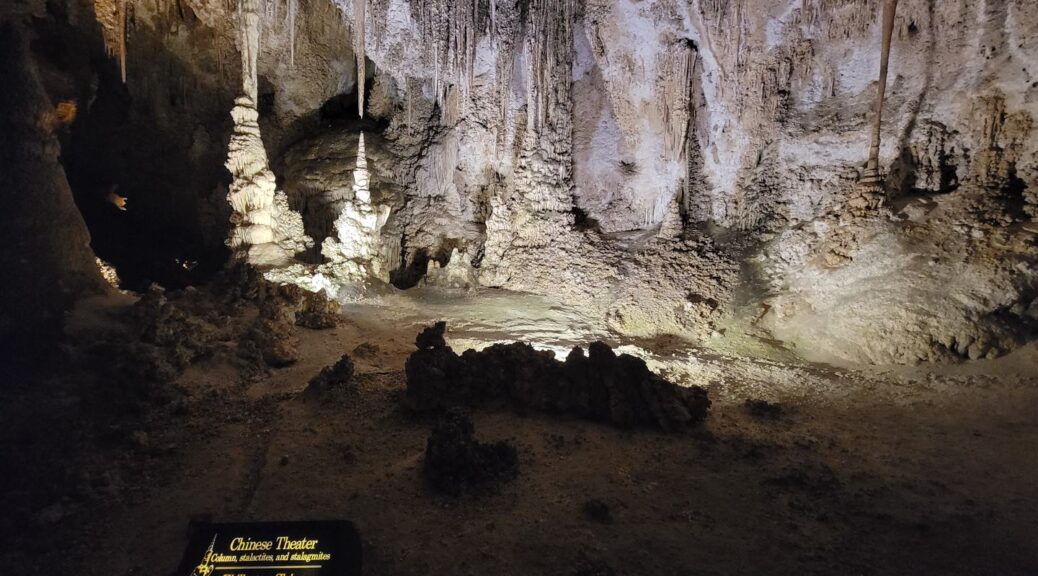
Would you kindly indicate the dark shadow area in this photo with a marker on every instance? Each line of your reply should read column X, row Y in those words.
column 144, row 159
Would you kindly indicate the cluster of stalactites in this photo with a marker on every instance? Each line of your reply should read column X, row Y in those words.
column 450, row 32
column 550, row 44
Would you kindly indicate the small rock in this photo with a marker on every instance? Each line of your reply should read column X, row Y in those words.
column 338, row 377
column 763, row 410
column 455, row 462
column 140, row 439
column 597, row 511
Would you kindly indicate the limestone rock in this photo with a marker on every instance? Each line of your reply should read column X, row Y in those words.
column 44, row 245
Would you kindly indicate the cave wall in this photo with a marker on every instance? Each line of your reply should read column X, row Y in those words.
column 744, row 114
column 676, row 167
column 44, row 243
column 160, row 137
column 778, row 96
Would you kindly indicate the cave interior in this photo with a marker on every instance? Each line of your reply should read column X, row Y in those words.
column 578, row 287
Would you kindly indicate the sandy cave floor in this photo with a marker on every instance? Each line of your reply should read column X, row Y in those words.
column 909, row 470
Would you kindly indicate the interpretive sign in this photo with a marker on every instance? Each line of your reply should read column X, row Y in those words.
column 320, row 548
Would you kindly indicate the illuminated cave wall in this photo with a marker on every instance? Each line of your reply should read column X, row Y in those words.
column 674, row 167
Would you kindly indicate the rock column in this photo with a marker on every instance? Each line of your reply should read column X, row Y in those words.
column 265, row 232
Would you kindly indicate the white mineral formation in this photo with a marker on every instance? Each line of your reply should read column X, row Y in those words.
column 353, row 254
column 646, row 161
column 456, row 273
column 265, row 231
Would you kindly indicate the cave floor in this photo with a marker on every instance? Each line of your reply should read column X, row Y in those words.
column 909, row 470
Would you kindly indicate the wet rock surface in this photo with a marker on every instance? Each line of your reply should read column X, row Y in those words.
column 601, row 386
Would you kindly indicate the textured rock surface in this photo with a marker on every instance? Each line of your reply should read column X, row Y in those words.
column 753, row 117
column 601, row 386
column 672, row 168
column 335, row 378
column 456, row 463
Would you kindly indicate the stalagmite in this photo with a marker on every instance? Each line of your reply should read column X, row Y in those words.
column 353, row 255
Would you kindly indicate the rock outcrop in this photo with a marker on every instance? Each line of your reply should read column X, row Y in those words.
column 601, row 385
column 456, row 463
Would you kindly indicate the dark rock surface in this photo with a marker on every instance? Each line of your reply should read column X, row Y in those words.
column 335, row 378
column 44, row 244
column 601, row 386
column 456, row 463
column 764, row 410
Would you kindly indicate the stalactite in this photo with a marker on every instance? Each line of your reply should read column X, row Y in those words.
column 248, row 29
column 673, row 98
column 871, row 181
column 293, row 8
column 111, row 15
column 359, row 17
column 122, row 39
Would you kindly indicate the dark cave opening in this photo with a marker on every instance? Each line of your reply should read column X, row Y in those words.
column 131, row 224
column 411, row 273
column 149, row 196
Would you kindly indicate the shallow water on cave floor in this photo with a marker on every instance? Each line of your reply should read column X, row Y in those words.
column 476, row 319
column 479, row 318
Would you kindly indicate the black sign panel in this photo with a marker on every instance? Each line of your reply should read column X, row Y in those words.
column 323, row 548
